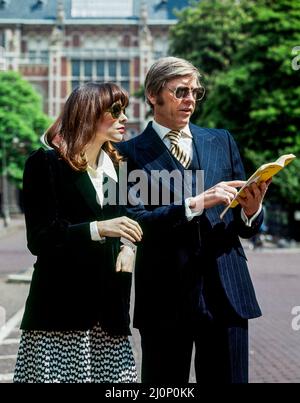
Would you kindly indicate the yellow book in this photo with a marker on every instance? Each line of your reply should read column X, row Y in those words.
column 262, row 174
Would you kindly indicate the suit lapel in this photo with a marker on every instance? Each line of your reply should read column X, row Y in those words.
column 153, row 154
column 208, row 154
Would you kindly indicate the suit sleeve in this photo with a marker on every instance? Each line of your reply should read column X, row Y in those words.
column 156, row 218
column 239, row 174
column 46, row 230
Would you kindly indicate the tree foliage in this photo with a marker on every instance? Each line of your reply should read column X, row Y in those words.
column 22, row 122
column 208, row 33
column 255, row 91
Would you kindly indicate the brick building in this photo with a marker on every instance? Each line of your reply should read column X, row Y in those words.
column 59, row 44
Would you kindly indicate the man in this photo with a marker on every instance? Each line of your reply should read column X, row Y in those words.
column 192, row 284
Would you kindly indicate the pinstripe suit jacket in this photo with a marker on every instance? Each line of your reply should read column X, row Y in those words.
column 174, row 252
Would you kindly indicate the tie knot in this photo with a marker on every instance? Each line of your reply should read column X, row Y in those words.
column 174, row 136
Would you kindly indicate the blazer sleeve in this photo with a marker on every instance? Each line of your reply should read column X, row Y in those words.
column 239, row 174
column 171, row 216
column 47, row 231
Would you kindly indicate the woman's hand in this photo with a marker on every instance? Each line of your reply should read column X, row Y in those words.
column 125, row 259
column 120, row 226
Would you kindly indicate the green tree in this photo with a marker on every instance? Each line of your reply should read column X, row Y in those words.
column 22, row 122
column 208, row 34
column 245, row 49
column 258, row 97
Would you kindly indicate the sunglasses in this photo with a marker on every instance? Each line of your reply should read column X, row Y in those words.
column 116, row 110
column 182, row 92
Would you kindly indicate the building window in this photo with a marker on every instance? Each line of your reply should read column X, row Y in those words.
column 126, row 41
column 44, row 55
column 32, row 56
column 88, row 68
column 117, row 71
column 124, row 68
column 75, row 68
column 76, row 41
column 38, row 56
column 100, row 70
column 2, row 39
column 125, row 85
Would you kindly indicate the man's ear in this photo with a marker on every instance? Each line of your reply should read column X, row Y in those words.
column 152, row 98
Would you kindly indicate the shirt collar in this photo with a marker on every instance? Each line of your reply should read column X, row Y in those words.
column 162, row 131
column 105, row 166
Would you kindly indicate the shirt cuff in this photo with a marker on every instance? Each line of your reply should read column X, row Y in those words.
column 189, row 213
column 249, row 221
column 95, row 236
column 126, row 242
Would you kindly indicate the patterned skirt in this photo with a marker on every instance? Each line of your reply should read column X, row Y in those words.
column 90, row 356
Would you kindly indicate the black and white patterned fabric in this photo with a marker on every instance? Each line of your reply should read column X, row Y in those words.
column 74, row 357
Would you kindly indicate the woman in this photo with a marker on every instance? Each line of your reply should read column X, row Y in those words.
column 76, row 320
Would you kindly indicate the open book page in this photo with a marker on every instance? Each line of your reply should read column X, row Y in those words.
column 262, row 174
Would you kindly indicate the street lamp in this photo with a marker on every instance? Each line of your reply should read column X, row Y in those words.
column 5, row 202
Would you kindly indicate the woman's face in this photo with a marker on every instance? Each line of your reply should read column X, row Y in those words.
column 111, row 127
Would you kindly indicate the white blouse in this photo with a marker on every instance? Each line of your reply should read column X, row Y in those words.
column 105, row 166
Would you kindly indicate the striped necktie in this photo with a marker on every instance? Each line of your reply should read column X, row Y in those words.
column 175, row 150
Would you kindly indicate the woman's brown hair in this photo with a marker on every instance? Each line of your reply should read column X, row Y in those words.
column 76, row 126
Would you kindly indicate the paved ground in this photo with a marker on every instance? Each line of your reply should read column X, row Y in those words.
column 274, row 345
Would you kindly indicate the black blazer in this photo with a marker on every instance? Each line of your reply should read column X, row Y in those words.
column 74, row 283
column 174, row 253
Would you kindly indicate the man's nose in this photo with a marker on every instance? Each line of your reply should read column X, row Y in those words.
column 189, row 97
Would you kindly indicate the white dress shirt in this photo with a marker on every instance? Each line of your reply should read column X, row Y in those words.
column 186, row 143
column 105, row 166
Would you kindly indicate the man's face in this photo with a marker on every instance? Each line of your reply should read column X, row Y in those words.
column 170, row 111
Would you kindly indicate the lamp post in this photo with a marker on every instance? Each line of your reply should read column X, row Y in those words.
column 5, row 202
